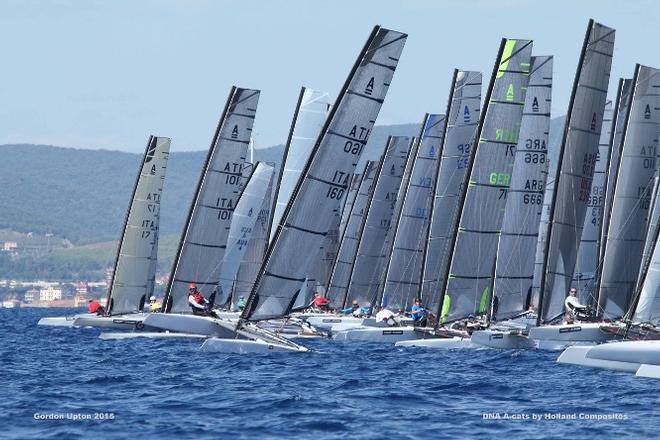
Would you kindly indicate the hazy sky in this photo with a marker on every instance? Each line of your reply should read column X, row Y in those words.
column 106, row 74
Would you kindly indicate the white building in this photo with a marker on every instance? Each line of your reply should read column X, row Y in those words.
column 50, row 294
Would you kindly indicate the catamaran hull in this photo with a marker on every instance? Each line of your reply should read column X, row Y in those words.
column 334, row 324
column 501, row 339
column 61, row 321
column 123, row 322
column 439, row 343
column 380, row 335
column 558, row 337
column 192, row 324
column 245, row 346
column 639, row 357
column 147, row 335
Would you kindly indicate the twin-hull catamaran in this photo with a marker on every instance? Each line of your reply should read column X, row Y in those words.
column 135, row 265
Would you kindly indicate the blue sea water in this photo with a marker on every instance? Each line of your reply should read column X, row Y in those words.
column 168, row 389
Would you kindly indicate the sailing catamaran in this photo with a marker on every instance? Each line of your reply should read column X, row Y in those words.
column 511, row 310
column 309, row 214
column 135, row 265
column 577, row 160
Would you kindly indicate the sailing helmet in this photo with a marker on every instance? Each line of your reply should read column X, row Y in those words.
column 153, row 298
column 192, row 286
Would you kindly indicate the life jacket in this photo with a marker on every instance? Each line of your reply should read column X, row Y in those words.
column 198, row 297
column 94, row 306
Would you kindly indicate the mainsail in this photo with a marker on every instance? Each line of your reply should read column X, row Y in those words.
column 367, row 272
column 256, row 249
column 341, row 270
column 472, row 266
column 243, row 224
column 204, row 239
column 584, row 275
column 648, row 305
column 463, row 116
column 632, row 196
column 308, row 216
column 624, row 97
column 308, row 118
column 577, row 160
column 404, row 270
column 514, row 268
column 652, row 224
column 135, row 265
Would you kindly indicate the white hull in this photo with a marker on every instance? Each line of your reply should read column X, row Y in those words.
column 147, row 335
column 439, row 343
column 244, row 346
column 62, row 321
column 379, row 334
column 192, row 324
column 334, row 323
column 558, row 337
column 502, row 339
column 134, row 321
column 639, row 357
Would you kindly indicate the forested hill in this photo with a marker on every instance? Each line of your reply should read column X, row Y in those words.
column 82, row 195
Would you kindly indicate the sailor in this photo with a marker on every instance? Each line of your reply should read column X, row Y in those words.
column 240, row 305
column 572, row 306
column 320, row 302
column 418, row 313
column 95, row 306
column 199, row 304
column 355, row 306
column 385, row 314
column 154, row 305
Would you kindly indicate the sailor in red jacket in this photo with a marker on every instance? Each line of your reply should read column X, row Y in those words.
column 95, row 306
column 199, row 304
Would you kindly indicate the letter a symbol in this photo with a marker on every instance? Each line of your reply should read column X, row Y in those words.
column 509, row 93
column 647, row 112
column 370, row 87
column 234, row 132
column 593, row 122
column 535, row 105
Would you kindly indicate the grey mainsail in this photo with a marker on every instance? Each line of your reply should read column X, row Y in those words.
column 404, row 271
column 470, row 279
column 367, row 272
column 309, row 116
column 256, row 249
column 463, row 116
column 577, row 159
column 514, row 269
column 648, row 305
column 243, row 224
column 584, row 275
column 623, row 100
column 204, row 239
column 135, row 266
column 341, row 270
column 309, row 214
column 632, row 196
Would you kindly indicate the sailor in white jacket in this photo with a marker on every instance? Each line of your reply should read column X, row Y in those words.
column 572, row 305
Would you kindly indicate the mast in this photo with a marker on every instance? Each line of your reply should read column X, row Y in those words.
column 581, row 135
column 308, row 215
column 134, row 266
